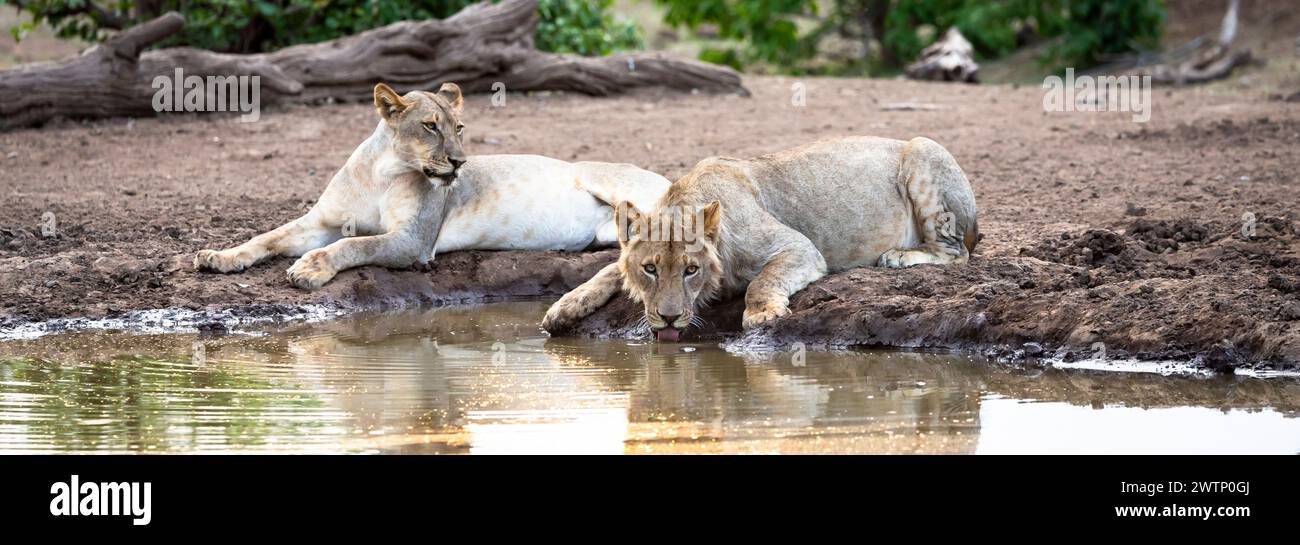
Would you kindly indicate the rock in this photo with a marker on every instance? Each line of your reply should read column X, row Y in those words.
column 1283, row 284
column 1222, row 358
column 1291, row 311
column 124, row 270
column 1033, row 350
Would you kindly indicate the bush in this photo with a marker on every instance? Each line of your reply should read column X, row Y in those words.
column 1093, row 30
column 766, row 27
column 249, row 26
column 1084, row 32
column 584, row 28
column 990, row 26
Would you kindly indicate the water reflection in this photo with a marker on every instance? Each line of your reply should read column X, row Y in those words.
column 486, row 380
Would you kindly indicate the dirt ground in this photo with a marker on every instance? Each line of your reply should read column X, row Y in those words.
column 1096, row 228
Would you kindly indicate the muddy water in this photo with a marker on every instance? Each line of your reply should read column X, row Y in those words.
column 486, row 380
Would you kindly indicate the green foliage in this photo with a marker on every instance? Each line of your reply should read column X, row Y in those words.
column 584, row 27
column 1084, row 32
column 990, row 26
column 20, row 30
column 264, row 25
column 246, row 26
column 1096, row 29
column 766, row 27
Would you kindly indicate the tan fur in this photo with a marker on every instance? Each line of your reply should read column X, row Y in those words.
column 776, row 223
column 403, row 195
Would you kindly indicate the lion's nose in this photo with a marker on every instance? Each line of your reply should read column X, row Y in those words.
column 669, row 319
column 456, row 162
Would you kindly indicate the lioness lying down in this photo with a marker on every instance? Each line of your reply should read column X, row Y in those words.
column 409, row 191
column 772, row 225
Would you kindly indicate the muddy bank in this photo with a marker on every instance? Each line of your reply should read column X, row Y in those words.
column 124, row 292
column 1156, row 290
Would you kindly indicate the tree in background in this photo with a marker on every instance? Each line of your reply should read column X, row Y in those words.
column 1080, row 33
column 584, row 28
column 782, row 34
column 250, row 26
column 766, row 27
column 1094, row 31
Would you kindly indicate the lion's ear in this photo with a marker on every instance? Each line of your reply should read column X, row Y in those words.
column 451, row 92
column 389, row 103
column 712, row 220
column 626, row 218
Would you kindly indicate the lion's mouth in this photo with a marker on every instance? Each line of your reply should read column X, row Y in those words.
column 668, row 334
column 444, row 177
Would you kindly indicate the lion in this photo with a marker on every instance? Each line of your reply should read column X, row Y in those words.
column 409, row 191
column 770, row 226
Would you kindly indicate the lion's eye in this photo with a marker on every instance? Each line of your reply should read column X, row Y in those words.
column 650, row 269
column 692, row 270
column 431, row 127
column 460, row 130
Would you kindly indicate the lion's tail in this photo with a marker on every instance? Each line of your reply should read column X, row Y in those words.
column 973, row 236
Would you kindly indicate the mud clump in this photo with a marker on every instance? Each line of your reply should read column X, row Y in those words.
column 1092, row 248
column 1283, row 284
column 1159, row 236
column 125, row 270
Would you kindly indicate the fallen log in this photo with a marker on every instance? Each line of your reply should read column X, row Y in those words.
column 479, row 47
column 1215, row 63
column 952, row 58
column 1209, row 61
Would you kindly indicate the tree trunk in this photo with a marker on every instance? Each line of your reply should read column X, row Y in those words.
column 482, row 45
column 878, row 13
column 1210, row 63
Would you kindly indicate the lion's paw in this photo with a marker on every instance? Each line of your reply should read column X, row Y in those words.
column 561, row 316
column 898, row 258
column 312, row 270
column 754, row 318
column 226, row 261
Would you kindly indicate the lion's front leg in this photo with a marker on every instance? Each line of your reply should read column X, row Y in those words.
column 315, row 268
column 583, row 300
column 768, row 295
column 294, row 238
column 411, row 227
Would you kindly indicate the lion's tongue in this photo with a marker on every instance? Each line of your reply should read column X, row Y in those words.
column 668, row 334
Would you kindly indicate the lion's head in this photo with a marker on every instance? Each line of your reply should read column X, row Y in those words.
column 427, row 128
column 670, row 262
